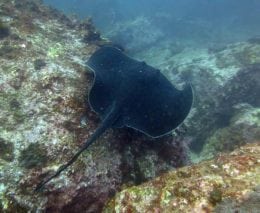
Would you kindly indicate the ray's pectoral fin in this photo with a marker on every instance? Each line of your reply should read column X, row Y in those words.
column 107, row 123
column 127, row 92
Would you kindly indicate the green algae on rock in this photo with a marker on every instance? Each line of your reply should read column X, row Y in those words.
column 211, row 185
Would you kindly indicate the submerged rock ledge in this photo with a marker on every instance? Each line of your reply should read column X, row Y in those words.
column 229, row 183
column 44, row 119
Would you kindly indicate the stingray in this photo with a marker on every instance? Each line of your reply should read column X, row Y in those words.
column 130, row 93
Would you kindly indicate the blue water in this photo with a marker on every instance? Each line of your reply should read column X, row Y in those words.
column 194, row 22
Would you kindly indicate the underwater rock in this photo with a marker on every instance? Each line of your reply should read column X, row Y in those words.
column 43, row 88
column 91, row 35
column 135, row 35
column 230, row 181
column 244, row 128
column 42, row 105
column 221, row 96
column 254, row 40
column 144, row 158
column 34, row 155
column 10, row 52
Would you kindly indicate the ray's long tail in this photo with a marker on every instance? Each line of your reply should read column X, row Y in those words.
column 107, row 122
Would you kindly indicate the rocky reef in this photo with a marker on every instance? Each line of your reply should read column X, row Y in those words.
column 243, row 128
column 45, row 118
column 229, row 183
column 136, row 35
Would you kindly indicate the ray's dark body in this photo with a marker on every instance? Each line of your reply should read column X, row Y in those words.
column 131, row 93
column 144, row 98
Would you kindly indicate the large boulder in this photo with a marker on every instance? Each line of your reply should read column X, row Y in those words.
column 228, row 183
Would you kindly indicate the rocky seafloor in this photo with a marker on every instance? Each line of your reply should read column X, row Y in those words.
column 44, row 119
column 228, row 183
